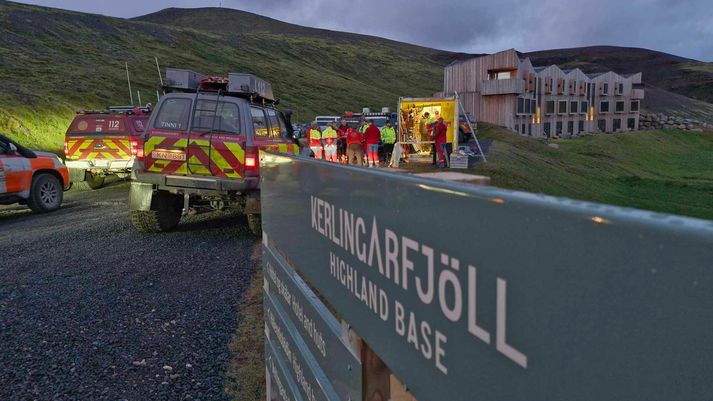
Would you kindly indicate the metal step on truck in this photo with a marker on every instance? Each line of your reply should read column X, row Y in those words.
column 202, row 149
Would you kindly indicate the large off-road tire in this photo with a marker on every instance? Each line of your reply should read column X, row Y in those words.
column 165, row 213
column 45, row 193
column 255, row 224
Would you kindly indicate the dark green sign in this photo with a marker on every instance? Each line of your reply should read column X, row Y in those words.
column 299, row 314
column 476, row 293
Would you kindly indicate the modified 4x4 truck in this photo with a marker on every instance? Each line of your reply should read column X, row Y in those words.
column 35, row 179
column 202, row 149
column 102, row 143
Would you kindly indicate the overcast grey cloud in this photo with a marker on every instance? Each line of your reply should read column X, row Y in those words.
column 684, row 28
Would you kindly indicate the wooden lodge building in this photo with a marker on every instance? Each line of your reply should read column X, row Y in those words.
column 506, row 90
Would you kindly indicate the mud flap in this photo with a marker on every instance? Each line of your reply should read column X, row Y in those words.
column 252, row 203
column 140, row 195
column 77, row 175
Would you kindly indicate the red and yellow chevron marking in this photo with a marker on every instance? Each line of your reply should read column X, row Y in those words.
column 100, row 148
column 204, row 157
column 284, row 148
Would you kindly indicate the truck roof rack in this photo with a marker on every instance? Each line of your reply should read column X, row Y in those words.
column 119, row 110
column 235, row 84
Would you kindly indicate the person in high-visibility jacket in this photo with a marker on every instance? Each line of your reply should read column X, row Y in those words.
column 388, row 138
column 372, row 136
column 330, row 142
column 315, row 140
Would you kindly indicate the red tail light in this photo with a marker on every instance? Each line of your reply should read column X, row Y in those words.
column 251, row 158
column 136, row 149
column 66, row 148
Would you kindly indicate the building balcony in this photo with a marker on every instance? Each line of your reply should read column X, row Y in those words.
column 512, row 86
column 637, row 93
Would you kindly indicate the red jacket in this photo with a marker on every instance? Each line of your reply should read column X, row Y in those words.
column 342, row 131
column 439, row 132
column 372, row 135
column 353, row 137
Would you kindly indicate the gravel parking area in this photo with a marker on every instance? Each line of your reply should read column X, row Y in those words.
column 90, row 309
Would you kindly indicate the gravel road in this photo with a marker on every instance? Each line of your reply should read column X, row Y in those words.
column 90, row 309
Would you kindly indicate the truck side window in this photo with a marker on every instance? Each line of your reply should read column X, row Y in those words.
column 173, row 115
column 259, row 121
column 277, row 124
column 210, row 115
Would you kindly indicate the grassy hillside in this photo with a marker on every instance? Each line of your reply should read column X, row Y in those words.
column 666, row 171
column 54, row 62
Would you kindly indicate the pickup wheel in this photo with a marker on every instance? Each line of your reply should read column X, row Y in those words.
column 94, row 181
column 45, row 193
column 255, row 224
column 91, row 181
column 165, row 213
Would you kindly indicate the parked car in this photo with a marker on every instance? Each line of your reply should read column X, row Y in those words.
column 103, row 143
column 35, row 179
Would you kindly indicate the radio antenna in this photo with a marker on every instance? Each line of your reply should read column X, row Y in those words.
column 138, row 93
column 128, row 80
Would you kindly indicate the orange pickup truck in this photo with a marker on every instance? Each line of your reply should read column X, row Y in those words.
column 35, row 179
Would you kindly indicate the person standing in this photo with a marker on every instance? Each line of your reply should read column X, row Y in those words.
column 342, row 141
column 372, row 136
column 330, row 142
column 315, row 140
column 440, row 130
column 388, row 138
column 354, row 149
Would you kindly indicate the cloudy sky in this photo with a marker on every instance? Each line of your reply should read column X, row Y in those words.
column 681, row 27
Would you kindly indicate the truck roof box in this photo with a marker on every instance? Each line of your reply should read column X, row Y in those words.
column 237, row 84
column 183, row 79
column 251, row 85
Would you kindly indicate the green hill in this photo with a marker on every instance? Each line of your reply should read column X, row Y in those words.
column 55, row 62
column 666, row 171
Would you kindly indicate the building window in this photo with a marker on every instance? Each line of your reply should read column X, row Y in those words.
column 605, row 89
column 533, row 106
column 529, row 129
column 562, row 107
column 548, row 129
column 621, row 89
column 583, row 110
column 570, row 127
column 573, row 107
column 617, row 124
column 520, row 105
column 619, row 108
column 559, row 127
column 602, row 125
column 634, row 105
column 523, row 129
column 550, row 106
column 631, row 123
column 581, row 125
column 499, row 75
column 604, row 107
column 527, row 106
column 589, row 89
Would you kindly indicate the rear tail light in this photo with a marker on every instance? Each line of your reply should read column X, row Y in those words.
column 251, row 158
column 66, row 148
column 136, row 149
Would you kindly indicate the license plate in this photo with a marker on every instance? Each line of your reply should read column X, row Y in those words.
column 179, row 156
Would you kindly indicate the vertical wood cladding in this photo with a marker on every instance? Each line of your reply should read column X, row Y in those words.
column 505, row 90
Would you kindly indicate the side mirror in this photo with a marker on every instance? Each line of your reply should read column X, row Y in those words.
column 12, row 148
